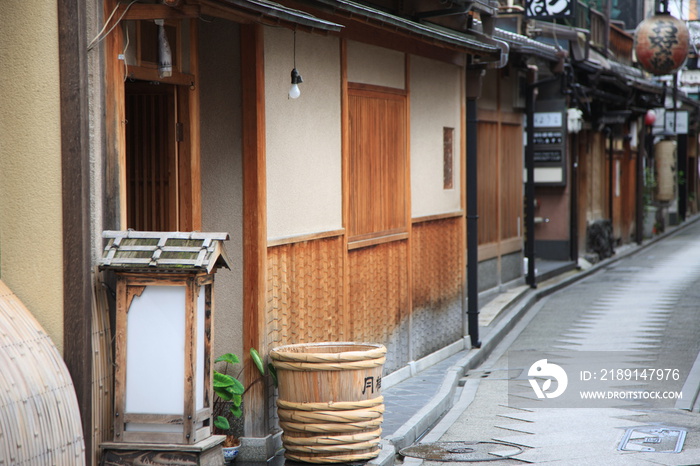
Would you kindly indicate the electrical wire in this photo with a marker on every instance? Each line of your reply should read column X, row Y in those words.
column 102, row 34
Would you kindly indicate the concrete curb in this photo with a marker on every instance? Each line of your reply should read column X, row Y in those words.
column 431, row 413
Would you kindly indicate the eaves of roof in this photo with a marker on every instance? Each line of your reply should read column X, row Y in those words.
column 457, row 40
column 268, row 9
column 526, row 46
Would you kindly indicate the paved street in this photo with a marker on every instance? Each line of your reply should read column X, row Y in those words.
column 646, row 303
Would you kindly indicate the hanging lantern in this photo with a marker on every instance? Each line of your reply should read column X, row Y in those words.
column 661, row 43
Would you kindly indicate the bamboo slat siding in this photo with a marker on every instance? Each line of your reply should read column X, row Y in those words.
column 102, row 371
column 39, row 416
column 305, row 293
column 306, row 284
column 305, row 290
column 437, row 249
column 378, row 287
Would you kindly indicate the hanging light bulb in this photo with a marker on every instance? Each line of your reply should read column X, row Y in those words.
column 294, row 91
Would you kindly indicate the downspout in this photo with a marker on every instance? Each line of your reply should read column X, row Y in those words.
column 639, row 217
column 611, row 191
column 682, row 163
column 681, row 155
column 573, row 234
column 473, row 92
column 475, row 75
column 530, row 182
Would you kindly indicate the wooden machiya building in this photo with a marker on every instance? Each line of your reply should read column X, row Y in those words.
column 345, row 206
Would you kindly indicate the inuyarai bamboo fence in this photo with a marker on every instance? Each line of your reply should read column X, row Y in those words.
column 330, row 407
column 102, row 370
column 39, row 417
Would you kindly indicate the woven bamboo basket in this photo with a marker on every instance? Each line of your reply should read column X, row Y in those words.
column 39, row 417
column 330, row 405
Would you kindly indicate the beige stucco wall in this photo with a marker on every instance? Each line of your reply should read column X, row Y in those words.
column 222, row 172
column 31, row 262
column 303, row 144
column 369, row 64
column 436, row 101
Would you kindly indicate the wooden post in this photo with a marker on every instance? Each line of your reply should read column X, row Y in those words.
column 255, row 226
column 75, row 169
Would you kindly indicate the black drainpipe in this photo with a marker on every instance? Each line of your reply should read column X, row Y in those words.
column 642, row 155
column 573, row 233
column 473, row 91
column 530, row 182
column 611, row 180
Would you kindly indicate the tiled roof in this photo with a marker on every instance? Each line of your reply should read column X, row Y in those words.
column 164, row 251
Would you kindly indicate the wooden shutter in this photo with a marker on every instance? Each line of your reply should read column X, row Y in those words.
column 376, row 164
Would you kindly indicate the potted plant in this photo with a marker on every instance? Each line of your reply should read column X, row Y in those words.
column 229, row 391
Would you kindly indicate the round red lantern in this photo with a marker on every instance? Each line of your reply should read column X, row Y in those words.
column 650, row 117
column 661, row 43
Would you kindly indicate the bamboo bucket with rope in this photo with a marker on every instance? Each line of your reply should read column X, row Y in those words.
column 330, row 406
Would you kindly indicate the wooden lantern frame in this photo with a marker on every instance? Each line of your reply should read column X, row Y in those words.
column 189, row 260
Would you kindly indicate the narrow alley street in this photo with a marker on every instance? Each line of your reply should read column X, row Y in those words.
column 645, row 304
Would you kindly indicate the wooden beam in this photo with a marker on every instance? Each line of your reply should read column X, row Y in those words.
column 75, row 176
column 151, row 74
column 114, row 189
column 195, row 139
column 255, row 226
column 155, row 11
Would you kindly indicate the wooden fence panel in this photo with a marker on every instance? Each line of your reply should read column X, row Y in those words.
column 511, row 188
column 376, row 164
column 488, row 182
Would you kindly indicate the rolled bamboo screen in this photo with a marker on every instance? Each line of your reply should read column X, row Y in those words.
column 39, row 417
column 330, row 405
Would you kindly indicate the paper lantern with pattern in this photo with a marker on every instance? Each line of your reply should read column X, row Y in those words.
column 661, row 43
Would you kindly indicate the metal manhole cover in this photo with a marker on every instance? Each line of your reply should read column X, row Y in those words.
column 657, row 439
column 462, row 451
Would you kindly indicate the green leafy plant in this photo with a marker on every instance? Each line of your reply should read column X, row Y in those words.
column 229, row 389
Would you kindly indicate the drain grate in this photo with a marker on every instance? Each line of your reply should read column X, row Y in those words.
column 657, row 439
column 462, row 451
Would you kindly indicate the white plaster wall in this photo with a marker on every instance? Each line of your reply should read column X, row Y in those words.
column 303, row 144
column 222, row 174
column 31, row 256
column 369, row 64
column 436, row 100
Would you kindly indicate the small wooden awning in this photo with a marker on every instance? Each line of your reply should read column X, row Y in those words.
column 164, row 251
